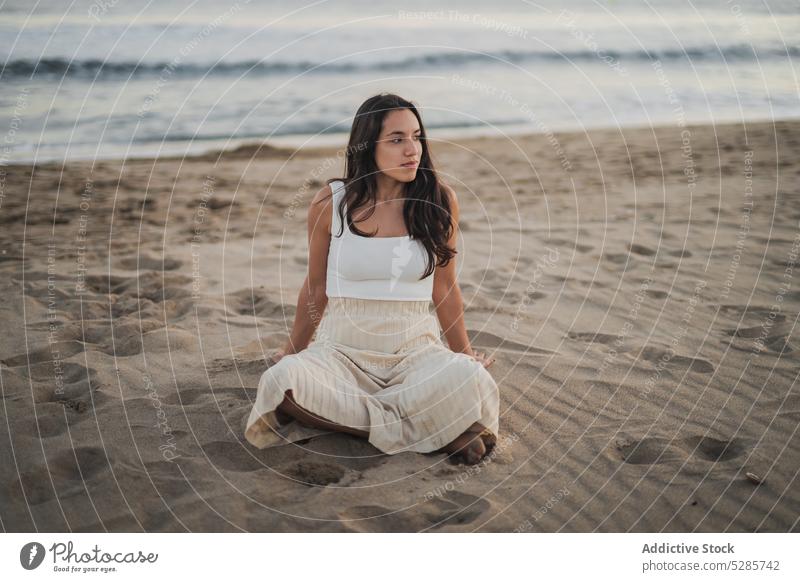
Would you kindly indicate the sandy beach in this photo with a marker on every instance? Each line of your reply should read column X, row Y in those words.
column 638, row 287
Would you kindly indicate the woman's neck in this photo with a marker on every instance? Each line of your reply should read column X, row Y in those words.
column 389, row 189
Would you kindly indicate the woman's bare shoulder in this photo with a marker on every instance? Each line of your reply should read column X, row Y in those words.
column 320, row 210
column 452, row 199
column 450, row 192
column 323, row 194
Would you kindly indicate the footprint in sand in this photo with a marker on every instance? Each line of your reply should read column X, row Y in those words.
column 152, row 285
column 78, row 397
column 79, row 464
column 255, row 303
column 618, row 259
column 328, row 459
column 48, row 293
column 128, row 338
column 784, row 263
column 13, row 260
column 745, row 332
column 683, row 253
column 48, row 421
column 241, row 366
column 486, row 340
column 451, row 508
column 150, row 296
column 774, row 241
column 648, row 451
column 63, row 382
column 752, row 312
column 793, row 296
column 232, row 456
column 581, row 248
column 641, row 250
column 657, row 294
column 656, row 355
column 320, row 473
column 757, row 329
column 217, row 397
column 655, row 450
column 711, row 449
column 105, row 284
column 67, row 372
column 35, row 487
column 64, row 474
column 787, row 407
column 593, row 337
column 120, row 337
column 150, row 263
column 350, row 452
column 55, row 351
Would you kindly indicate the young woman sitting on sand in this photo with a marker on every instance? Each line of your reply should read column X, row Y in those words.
column 382, row 246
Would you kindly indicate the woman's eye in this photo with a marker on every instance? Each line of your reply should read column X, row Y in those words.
column 400, row 139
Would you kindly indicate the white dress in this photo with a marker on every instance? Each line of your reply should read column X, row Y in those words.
column 378, row 365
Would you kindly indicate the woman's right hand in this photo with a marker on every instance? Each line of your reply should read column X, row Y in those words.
column 484, row 359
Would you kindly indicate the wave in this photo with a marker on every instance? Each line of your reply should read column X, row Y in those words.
column 98, row 69
column 314, row 129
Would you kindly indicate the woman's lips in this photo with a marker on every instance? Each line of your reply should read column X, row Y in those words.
column 410, row 165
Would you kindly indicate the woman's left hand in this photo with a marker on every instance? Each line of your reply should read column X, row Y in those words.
column 483, row 359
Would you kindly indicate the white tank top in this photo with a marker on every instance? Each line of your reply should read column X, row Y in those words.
column 386, row 268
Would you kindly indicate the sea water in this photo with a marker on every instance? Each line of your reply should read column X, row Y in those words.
column 106, row 78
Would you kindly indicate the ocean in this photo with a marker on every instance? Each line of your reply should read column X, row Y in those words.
column 133, row 78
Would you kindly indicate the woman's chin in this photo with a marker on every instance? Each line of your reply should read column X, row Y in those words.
column 405, row 175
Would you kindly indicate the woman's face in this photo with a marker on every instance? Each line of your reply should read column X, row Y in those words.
column 399, row 149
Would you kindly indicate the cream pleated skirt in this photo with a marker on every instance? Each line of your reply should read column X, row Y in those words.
column 379, row 366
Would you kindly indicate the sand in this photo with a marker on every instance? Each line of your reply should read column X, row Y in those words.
column 637, row 287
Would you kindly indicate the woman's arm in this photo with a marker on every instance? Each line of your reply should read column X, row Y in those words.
column 312, row 299
column 448, row 300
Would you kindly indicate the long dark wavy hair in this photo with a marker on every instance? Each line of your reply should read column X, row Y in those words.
column 426, row 210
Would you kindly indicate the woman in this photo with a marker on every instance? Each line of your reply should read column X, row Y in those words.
column 382, row 243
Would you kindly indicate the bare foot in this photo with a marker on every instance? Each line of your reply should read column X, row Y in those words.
column 489, row 440
column 469, row 445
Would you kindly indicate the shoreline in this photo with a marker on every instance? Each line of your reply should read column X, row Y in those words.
column 281, row 145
